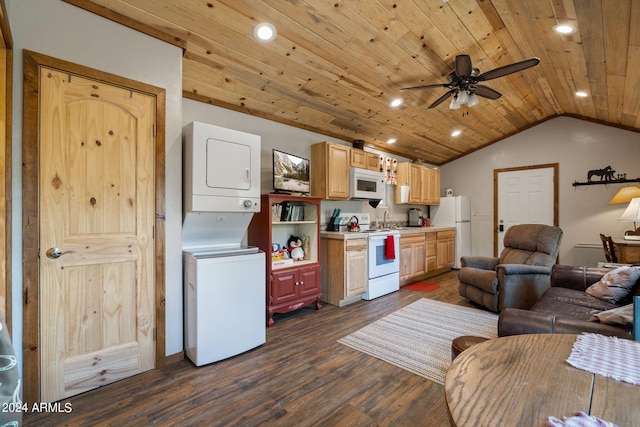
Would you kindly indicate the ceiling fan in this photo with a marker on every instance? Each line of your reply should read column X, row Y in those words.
column 463, row 81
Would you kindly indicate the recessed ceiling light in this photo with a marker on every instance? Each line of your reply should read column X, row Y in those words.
column 396, row 102
column 456, row 132
column 563, row 29
column 264, row 32
column 582, row 94
column 391, row 140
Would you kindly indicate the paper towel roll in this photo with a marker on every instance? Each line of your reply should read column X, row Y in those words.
column 404, row 194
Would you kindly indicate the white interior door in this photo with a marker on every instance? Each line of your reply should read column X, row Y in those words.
column 524, row 196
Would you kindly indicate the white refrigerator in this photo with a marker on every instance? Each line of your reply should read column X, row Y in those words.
column 455, row 212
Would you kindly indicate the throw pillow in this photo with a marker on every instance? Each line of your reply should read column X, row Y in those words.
column 622, row 316
column 615, row 284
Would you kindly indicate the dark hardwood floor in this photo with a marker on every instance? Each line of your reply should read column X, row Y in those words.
column 300, row 377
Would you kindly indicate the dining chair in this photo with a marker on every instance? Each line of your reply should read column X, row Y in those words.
column 609, row 248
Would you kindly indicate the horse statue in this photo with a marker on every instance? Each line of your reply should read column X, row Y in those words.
column 605, row 174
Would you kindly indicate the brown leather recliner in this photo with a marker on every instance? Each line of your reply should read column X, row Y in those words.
column 565, row 308
column 519, row 276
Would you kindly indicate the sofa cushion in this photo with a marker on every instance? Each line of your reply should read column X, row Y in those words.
column 622, row 316
column 615, row 285
column 570, row 303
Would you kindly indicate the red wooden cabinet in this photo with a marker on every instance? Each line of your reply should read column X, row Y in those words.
column 292, row 286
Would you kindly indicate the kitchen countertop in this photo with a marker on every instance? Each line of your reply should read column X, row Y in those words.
column 345, row 235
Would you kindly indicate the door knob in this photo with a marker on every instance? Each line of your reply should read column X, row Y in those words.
column 54, row 253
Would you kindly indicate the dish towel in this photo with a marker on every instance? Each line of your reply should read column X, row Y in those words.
column 390, row 247
column 611, row 357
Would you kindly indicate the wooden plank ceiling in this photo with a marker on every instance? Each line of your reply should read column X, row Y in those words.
column 335, row 65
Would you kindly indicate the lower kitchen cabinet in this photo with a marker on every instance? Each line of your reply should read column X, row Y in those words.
column 412, row 255
column 426, row 252
column 431, row 251
column 446, row 249
column 345, row 277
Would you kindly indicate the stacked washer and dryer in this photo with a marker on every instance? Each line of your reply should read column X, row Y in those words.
column 224, row 281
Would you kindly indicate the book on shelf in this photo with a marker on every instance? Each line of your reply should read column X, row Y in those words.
column 286, row 211
column 287, row 261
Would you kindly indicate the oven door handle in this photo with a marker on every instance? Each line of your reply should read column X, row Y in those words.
column 378, row 238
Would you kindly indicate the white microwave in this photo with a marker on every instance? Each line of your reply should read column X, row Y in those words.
column 366, row 184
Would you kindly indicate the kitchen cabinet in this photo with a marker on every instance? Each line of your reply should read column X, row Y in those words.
column 365, row 160
column 423, row 182
column 426, row 252
column 431, row 252
column 330, row 164
column 346, row 264
column 290, row 284
column 412, row 255
column 446, row 249
column 430, row 186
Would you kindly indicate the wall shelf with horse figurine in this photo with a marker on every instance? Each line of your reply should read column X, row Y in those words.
column 607, row 176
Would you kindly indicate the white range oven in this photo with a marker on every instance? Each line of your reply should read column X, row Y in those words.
column 383, row 250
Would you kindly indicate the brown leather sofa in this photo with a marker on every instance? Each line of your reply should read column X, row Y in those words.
column 565, row 308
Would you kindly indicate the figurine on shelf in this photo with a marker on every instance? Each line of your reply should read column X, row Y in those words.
column 294, row 245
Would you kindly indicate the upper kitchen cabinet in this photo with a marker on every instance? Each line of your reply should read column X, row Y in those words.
column 330, row 170
column 365, row 160
column 430, row 194
column 423, row 182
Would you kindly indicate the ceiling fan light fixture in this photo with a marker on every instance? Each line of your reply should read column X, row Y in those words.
column 473, row 100
column 463, row 97
column 454, row 103
column 264, row 32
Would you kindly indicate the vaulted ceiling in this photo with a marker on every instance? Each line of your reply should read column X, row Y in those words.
column 335, row 65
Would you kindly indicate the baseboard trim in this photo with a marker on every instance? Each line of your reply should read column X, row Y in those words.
column 174, row 358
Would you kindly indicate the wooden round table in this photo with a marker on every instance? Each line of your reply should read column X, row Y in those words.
column 522, row 380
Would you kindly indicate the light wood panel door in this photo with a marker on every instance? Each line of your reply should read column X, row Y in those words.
column 97, row 217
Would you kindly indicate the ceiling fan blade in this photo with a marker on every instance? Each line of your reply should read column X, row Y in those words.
column 426, row 86
column 487, row 92
column 508, row 69
column 462, row 66
column 442, row 98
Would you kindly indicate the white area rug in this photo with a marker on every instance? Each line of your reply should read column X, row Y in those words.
column 418, row 337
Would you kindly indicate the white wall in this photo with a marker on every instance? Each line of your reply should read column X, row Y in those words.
column 577, row 146
column 66, row 32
